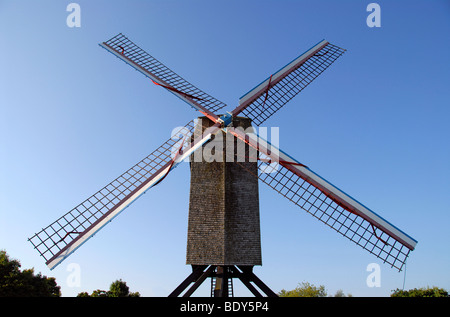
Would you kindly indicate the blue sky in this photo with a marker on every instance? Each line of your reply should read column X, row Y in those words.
column 375, row 124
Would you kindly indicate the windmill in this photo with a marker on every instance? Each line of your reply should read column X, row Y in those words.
column 227, row 247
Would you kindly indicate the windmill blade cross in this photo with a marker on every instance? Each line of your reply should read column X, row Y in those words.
column 284, row 174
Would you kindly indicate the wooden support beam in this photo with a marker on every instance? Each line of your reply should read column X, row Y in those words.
column 248, row 273
column 197, row 271
column 200, row 280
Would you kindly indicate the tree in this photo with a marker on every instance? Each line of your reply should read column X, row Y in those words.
column 304, row 289
column 96, row 293
column 14, row 282
column 421, row 292
column 117, row 288
column 340, row 293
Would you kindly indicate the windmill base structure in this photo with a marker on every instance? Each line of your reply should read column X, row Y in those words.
column 224, row 231
column 222, row 280
column 224, row 240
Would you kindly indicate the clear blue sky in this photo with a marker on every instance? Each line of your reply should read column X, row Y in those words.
column 376, row 124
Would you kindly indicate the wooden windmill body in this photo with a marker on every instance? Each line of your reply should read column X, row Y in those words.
column 224, row 224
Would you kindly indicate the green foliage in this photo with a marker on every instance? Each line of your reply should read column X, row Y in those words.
column 421, row 292
column 340, row 293
column 99, row 293
column 17, row 283
column 117, row 288
column 304, row 289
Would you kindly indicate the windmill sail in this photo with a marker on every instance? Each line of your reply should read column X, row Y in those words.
column 287, row 176
column 61, row 238
column 130, row 53
column 329, row 204
column 273, row 93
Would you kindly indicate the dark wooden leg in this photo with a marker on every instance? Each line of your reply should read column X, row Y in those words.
column 200, row 280
column 197, row 271
column 250, row 276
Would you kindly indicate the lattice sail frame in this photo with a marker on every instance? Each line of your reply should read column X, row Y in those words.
column 268, row 97
column 323, row 207
column 61, row 238
column 130, row 53
column 327, row 203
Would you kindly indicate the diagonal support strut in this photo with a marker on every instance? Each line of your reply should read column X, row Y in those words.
column 223, row 273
